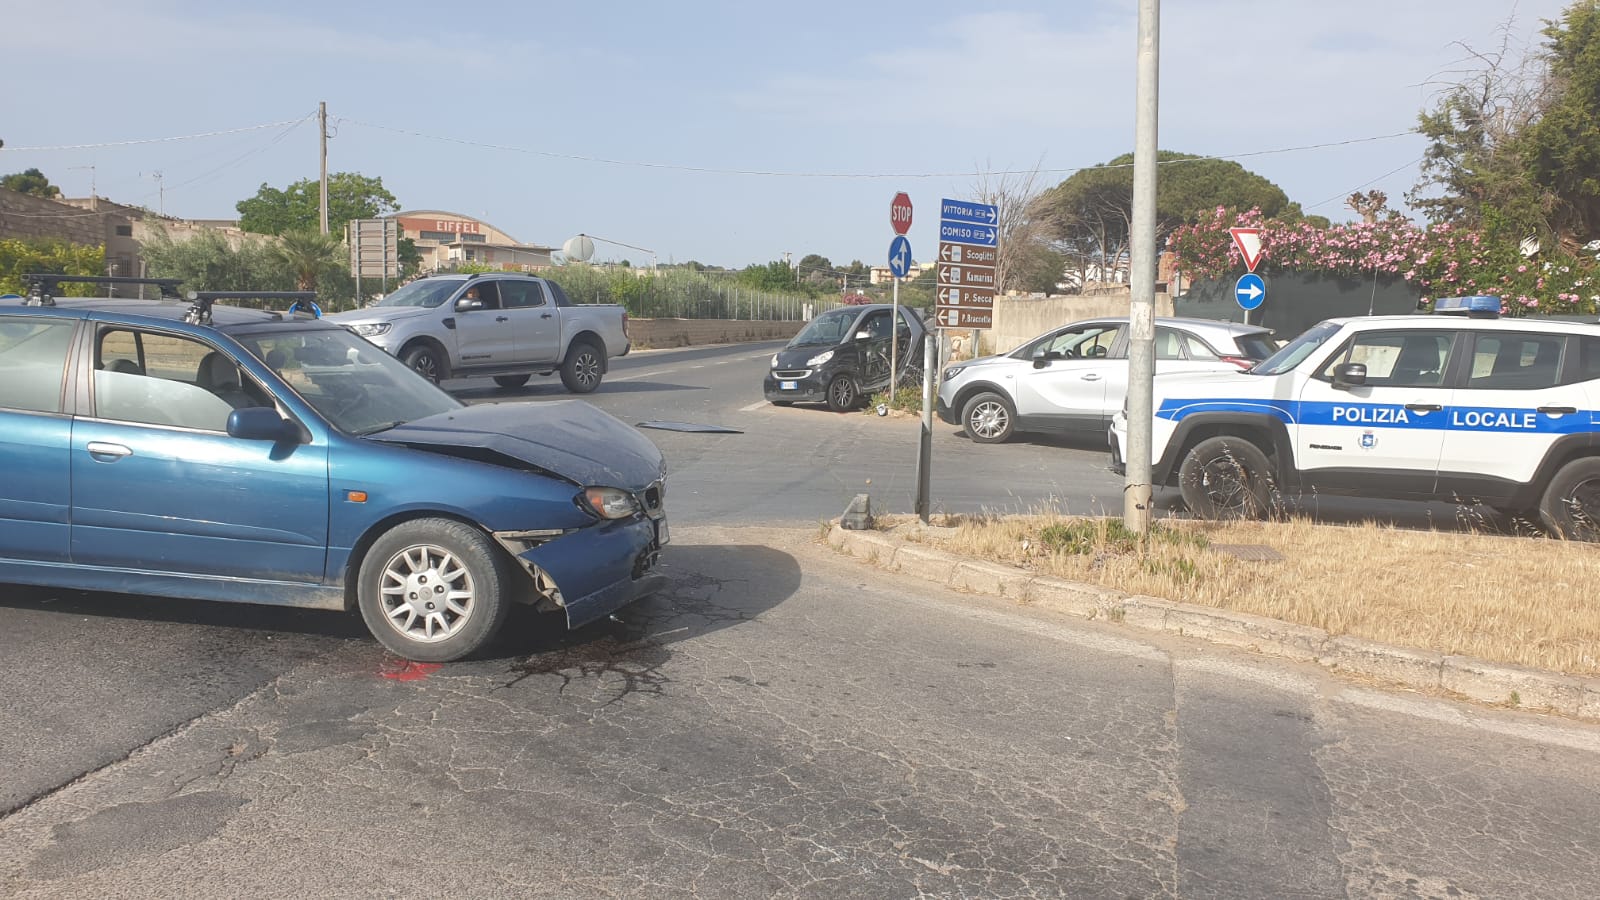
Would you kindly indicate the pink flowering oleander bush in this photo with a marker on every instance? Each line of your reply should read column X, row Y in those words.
column 1442, row 261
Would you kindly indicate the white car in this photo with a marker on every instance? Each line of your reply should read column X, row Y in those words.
column 1073, row 379
column 1460, row 408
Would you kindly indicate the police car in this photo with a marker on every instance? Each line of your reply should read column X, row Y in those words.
column 1460, row 406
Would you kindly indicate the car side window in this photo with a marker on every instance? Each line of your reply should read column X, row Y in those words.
column 1398, row 358
column 33, row 359
column 1088, row 342
column 1196, row 348
column 877, row 326
column 521, row 294
column 1589, row 363
column 486, row 291
column 153, row 378
column 1168, row 344
column 1516, row 362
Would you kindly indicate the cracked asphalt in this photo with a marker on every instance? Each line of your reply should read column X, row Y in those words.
column 780, row 722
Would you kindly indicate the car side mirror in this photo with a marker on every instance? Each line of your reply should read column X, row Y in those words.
column 863, row 335
column 468, row 304
column 1046, row 357
column 1350, row 375
column 261, row 423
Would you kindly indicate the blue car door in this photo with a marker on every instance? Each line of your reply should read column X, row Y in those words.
column 159, row 486
column 34, row 437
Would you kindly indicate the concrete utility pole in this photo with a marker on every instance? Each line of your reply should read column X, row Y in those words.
column 1142, row 275
column 322, row 129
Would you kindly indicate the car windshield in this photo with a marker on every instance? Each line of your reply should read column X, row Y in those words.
column 1295, row 352
column 1255, row 346
column 825, row 330
column 426, row 293
column 354, row 385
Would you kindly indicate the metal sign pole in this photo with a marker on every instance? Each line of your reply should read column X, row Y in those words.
column 925, row 449
column 894, row 340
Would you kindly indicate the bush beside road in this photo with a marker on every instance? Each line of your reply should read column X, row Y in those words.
column 1494, row 619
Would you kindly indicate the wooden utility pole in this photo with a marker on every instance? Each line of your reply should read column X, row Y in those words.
column 322, row 129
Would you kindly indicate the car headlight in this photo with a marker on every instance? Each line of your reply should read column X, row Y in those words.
column 774, row 360
column 372, row 329
column 952, row 372
column 820, row 358
column 610, row 502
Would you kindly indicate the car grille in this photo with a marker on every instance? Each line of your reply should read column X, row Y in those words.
column 791, row 374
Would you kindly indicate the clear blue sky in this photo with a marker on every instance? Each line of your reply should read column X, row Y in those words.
column 910, row 88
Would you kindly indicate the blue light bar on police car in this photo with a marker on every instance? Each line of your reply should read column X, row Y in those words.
column 1477, row 307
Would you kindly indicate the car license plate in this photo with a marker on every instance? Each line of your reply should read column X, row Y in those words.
column 786, row 386
column 663, row 537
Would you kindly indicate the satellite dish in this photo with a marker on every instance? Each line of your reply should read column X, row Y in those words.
column 580, row 248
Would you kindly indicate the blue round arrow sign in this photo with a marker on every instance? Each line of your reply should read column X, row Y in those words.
column 1250, row 291
column 899, row 257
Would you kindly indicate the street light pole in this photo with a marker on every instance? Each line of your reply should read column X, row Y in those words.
column 1142, row 275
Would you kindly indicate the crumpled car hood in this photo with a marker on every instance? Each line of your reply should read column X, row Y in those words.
column 568, row 438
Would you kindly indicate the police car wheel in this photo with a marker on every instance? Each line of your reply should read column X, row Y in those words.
column 1226, row 478
column 1571, row 504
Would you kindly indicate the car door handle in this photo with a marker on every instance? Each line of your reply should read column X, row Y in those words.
column 544, row 315
column 111, row 452
column 502, row 318
column 1424, row 407
column 1558, row 410
column 1091, row 377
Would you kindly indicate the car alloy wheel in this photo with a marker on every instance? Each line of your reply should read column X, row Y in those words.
column 989, row 419
column 842, row 393
column 428, row 595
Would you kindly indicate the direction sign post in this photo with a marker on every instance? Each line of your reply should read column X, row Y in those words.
column 1250, row 292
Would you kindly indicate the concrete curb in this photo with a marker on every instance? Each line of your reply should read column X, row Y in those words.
column 1475, row 679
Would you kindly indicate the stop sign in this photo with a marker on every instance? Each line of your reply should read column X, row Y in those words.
column 900, row 213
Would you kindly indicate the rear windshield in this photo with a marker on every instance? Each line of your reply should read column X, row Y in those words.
column 1255, row 346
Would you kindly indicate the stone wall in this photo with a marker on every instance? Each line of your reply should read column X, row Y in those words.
column 1020, row 319
column 666, row 333
column 26, row 217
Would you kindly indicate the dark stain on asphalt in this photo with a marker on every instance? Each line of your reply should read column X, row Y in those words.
column 121, row 834
column 634, row 666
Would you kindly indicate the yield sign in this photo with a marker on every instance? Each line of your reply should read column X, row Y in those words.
column 1248, row 240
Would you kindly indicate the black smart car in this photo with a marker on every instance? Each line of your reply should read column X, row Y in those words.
column 843, row 355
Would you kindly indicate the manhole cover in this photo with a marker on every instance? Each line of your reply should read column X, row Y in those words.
column 1249, row 552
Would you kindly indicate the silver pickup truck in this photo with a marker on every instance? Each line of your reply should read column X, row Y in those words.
column 506, row 326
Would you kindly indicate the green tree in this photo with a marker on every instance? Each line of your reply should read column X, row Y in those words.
column 1560, row 151
column 208, row 262
column 297, row 207
column 309, row 256
column 25, row 257
column 30, row 181
column 773, row 276
column 1091, row 213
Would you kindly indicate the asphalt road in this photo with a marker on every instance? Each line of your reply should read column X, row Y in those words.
column 779, row 722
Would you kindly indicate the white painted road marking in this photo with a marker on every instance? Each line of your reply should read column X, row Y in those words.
column 753, row 407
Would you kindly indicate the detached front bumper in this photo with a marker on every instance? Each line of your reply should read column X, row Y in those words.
column 795, row 385
column 596, row 571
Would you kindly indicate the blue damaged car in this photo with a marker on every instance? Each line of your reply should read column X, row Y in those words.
column 201, row 450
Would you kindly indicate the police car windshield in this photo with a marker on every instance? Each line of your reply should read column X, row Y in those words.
column 1294, row 353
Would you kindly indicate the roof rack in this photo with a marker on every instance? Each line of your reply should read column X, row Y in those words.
column 42, row 286
column 200, row 312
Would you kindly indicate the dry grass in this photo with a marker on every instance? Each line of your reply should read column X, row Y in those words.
column 1525, row 601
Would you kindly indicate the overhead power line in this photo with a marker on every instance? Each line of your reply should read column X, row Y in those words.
column 158, row 140
column 711, row 170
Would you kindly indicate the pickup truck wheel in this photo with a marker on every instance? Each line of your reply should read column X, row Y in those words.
column 426, row 361
column 433, row 590
column 988, row 418
column 842, row 394
column 1226, row 478
column 1571, row 504
column 580, row 372
column 511, row 381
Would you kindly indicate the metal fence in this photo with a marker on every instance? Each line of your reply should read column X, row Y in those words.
column 679, row 294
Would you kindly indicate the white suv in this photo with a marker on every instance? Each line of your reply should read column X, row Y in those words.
column 1470, row 409
column 1073, row 378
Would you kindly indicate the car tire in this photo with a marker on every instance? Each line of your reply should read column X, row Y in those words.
column 1570, row 507
column 511, row 381
column 582, row 368
column 458, row 579
column 989, row 418
column 427, row 361
column 1226, row 478
column 843, row 395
